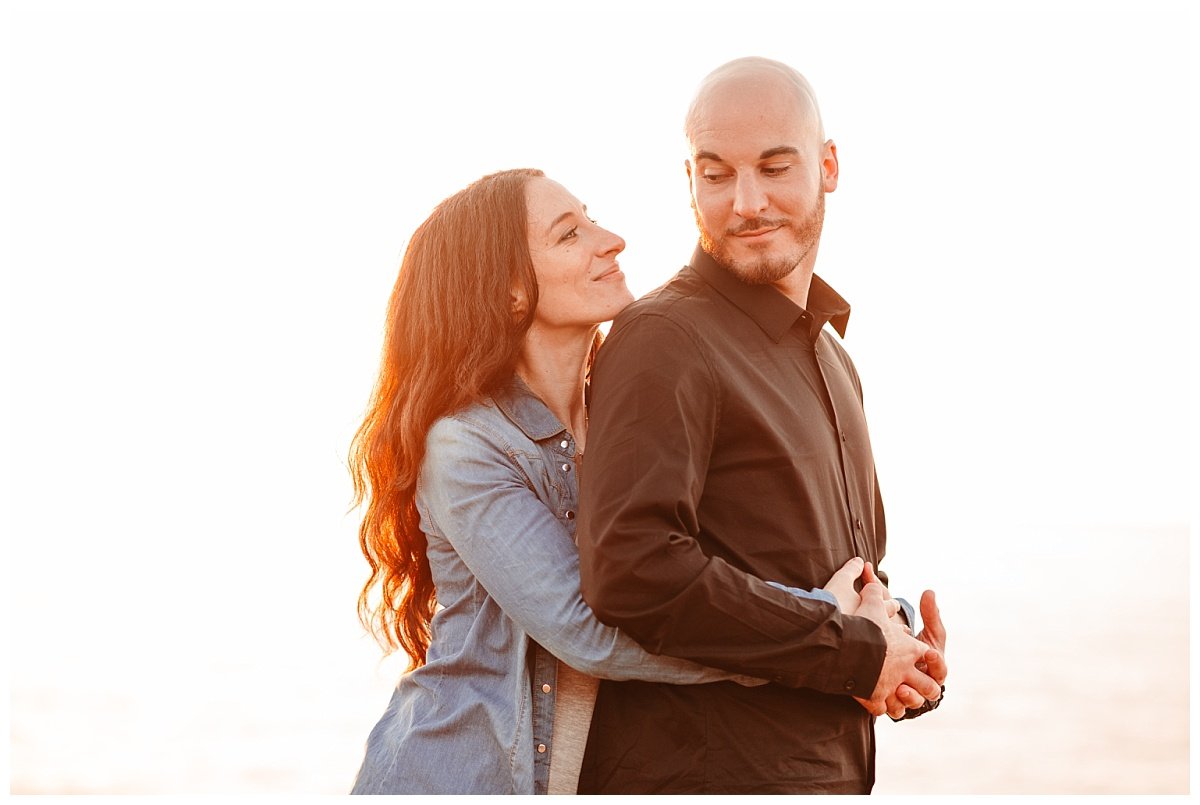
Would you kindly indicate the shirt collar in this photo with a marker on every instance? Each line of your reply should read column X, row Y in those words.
column 527, row 410
column 770, row 309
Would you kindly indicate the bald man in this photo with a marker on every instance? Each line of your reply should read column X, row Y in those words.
column 728, row 461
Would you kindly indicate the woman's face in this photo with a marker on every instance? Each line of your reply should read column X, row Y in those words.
column 580, row 283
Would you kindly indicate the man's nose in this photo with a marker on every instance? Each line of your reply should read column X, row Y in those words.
column 749, row 198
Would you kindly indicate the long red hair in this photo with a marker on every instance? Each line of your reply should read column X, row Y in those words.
column 451, row 338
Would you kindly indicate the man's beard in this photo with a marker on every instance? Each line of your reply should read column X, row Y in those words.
column 769, row 267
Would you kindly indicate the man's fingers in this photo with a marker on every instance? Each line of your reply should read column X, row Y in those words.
column 873, row 592
column 924, row 684
column 935, row 630
column 903, row 699
column 871, row 604
column 892, row 606
column 935, row 666
column 872, row 707
column 909, row 698
column 871, row 577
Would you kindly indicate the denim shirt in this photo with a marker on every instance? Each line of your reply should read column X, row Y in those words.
column 496, row 497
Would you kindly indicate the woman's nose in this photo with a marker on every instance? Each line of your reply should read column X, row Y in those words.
column 611, row 243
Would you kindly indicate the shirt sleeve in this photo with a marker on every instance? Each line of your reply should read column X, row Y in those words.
column 472, row 493
column 655, row 413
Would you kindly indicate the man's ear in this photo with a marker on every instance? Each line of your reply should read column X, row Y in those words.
column 687, row 165
column 829, row 166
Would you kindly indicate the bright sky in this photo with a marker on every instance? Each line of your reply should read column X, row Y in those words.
column 209, row 200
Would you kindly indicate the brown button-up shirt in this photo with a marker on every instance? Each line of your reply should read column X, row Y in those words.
column 728, row 448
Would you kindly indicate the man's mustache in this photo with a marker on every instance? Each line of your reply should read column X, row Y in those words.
column 752, row 224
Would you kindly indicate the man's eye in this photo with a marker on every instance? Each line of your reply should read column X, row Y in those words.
column 776, row 170
column 713, row 178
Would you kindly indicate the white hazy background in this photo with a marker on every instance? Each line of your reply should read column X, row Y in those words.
column 207, row 206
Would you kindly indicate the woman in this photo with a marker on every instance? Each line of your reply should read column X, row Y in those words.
column 467, row 461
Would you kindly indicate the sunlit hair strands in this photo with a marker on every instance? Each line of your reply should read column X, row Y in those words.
column 451, row 338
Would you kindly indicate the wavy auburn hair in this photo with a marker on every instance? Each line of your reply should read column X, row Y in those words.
column 451, row 338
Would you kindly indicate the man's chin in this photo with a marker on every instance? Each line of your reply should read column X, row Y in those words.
column 755, row 266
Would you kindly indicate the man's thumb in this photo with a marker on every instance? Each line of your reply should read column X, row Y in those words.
column 871, row 607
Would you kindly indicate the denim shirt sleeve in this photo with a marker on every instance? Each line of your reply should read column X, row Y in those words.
column 473, row 491
column 817, row 594
column 910, row 615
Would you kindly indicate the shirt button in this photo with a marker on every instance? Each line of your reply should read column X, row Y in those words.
column 545, row 688
column 843, row 436
column 849, row 684
column 541, row 749
column 858, row 523
column 566, row 467
column 570, row 515
column 564, row 444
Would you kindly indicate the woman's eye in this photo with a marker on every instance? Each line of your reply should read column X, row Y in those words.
column 570, row 233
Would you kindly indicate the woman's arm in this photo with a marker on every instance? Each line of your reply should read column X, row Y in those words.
column 472, row 493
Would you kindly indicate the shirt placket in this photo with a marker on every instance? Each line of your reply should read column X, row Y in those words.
column 566, row 464
column 544, row 683
column 545, row 665
column 858, row 542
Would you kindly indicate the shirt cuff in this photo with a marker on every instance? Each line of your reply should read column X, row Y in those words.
column 859, row 658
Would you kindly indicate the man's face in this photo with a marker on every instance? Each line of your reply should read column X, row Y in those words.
column 759, row 173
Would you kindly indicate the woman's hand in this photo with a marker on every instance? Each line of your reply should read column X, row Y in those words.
column 842, row 585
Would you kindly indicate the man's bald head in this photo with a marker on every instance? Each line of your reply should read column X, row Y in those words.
column 749, row 77
column 759, row 167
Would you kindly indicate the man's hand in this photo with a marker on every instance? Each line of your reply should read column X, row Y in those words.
column 904, row 653
column 934, row 663
column 934, row 634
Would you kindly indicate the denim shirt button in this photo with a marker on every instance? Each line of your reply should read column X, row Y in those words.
column 541, row 749
column 564, row 444
column 570, row 515
column 545, row 688
column 566, row 467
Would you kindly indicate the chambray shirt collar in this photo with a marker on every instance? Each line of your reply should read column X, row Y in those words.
column 773, row 312
column 527, row 410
